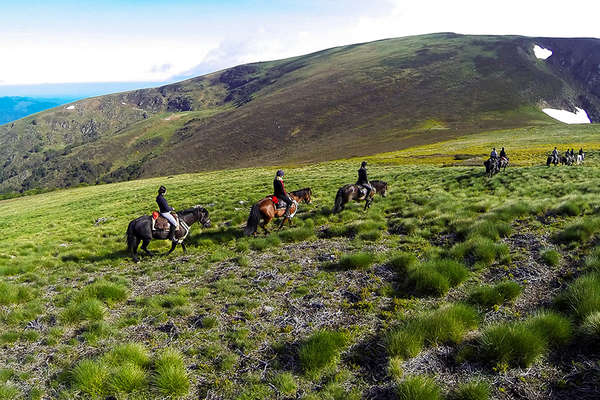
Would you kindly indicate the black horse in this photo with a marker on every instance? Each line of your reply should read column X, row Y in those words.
column 552, row 160
column 140, row 229
column 357, row 193
column 492, row 166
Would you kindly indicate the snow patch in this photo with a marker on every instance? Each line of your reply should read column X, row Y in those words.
column 579, row 117
column 124, row 103
column 70, row 108
column 541, row 53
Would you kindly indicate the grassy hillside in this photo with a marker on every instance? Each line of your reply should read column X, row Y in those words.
column 453, row 284
column 337, row 103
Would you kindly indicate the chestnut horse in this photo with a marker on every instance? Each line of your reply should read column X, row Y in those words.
column 265, row 209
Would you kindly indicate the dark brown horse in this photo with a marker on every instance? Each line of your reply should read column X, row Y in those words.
column 140, row 229
column 265, row 209
column 352, row 192
column 380, row 186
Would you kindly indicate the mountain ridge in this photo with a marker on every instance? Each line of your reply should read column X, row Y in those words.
column 346, row 101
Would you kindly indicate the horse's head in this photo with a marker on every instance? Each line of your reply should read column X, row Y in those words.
column 383, row 190
column 202, row 216
column 304, row 195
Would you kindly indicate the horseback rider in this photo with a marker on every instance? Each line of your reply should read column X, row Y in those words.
column 555, row 154
column 573, row 153
column 581, row 151
column 280, row 193
column 494, row 154
column 363, row 180
column 503, row 154
column 165, row 211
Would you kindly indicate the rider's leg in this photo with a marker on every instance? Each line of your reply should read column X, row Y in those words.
column 172, row 225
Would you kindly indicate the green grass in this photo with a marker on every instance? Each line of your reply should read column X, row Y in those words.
column 489, row 296
column 171, row 378
column 418, row 388
column 590, row 327
column 14, row 294
column 473, row 390
column 321, row 350
column 514, row 345
column 91, row 378
column 550, row 257
column 360, row 260
column 582, row 297
column 579, row 232
column 285, row 384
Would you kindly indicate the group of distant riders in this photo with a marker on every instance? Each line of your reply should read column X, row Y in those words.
column 496, row 162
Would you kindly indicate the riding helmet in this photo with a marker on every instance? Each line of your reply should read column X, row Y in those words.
column 280, row 172
column 162, row 189
column 363, row 164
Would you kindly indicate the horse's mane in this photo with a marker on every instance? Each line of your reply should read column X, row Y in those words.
column 191, row 209
column 302, row 192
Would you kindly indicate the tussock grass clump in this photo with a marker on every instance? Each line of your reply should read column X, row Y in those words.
column 9, row 392
column 490, row 229
column 402, row 262
column 285, row 383
column 480, row 252
column 418, row 388
column 14, row 294
column 127, row 378
column 90, row 377
column 579, row 232
column 513, row 344
column 592, row 261
column 554, row 328
column 84, row 310
column 550, row 257
column 572, row 207
column 512, row 211
column 360, row 260
column 321, row 350
column 590, row 328
column 435, row 277
column 474, row 390
column 170, row 378
column 105, row 291
column 297, row 234
column 134, row 353
column 261, row 244
column 582, row 297
column 445, row 325
column 489, row 296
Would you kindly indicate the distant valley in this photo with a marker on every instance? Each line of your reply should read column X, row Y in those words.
column 14, row 108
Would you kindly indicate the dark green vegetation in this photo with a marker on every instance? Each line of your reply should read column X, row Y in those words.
column 461, row 283
column 342, row 102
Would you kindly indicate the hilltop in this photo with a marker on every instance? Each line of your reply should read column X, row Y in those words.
column 342, row 102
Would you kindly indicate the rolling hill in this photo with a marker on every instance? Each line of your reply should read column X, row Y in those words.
column 342, row 102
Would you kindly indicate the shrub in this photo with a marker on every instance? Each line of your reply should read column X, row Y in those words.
column 582, row 297
column 285, row 383
column 550, row 257
column 474, row 390
column 488, row 296
column 360, row 260
column 90, row 377
column 513, row 344
column 555, row 329
column 320, row 350
column 418, row 388
column 171, row 377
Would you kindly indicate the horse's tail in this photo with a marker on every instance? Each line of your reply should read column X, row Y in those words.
column 130, row 234
column 338, row 200
column 253, row 220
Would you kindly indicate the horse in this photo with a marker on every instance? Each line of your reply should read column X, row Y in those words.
column 567, row 160
column 352, row 192
column 265, row 209
column 503, row 163
column 380, row 187
column 492, row 167
column 552, row 160
column 140, row 229
column 580, row 158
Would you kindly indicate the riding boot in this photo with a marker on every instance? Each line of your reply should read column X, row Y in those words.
column 171, row 233
column 287, row 211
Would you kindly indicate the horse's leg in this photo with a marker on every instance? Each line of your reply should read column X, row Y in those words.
column 134, row 245
column 173, row 245
column 282, row 222
column 183, row 247
column 145, row 243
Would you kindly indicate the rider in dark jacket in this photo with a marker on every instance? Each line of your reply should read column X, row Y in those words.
column 503, row 153
column 280, row 193
column 165, row 211
column 363, row 180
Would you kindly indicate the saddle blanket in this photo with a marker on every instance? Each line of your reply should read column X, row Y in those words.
column 160, row 223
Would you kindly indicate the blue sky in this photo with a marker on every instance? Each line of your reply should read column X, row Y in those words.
column 53, row 42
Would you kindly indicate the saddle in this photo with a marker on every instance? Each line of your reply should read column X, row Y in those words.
column 160, row 223
column 278, row 203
